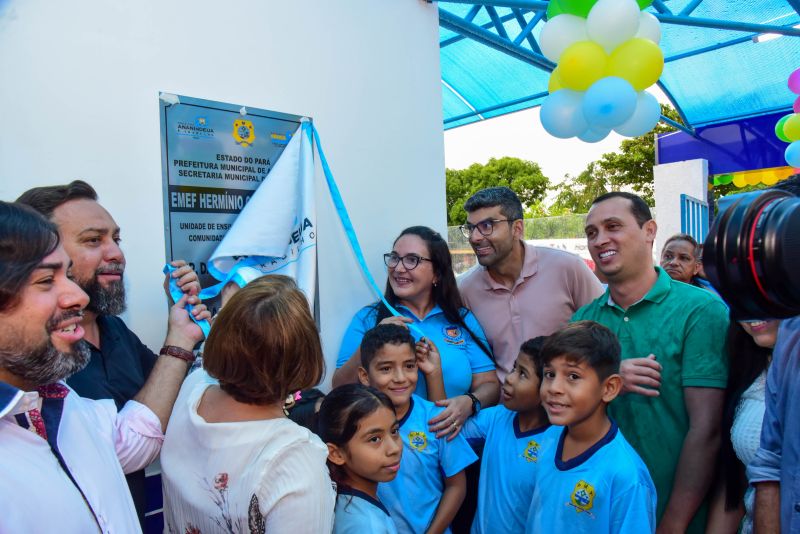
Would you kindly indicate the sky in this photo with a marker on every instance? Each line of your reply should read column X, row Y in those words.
column 521, row 135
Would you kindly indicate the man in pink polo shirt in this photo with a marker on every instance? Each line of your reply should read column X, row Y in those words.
column 518, row 291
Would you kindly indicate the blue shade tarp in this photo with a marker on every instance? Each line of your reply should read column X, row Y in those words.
column 712, row 75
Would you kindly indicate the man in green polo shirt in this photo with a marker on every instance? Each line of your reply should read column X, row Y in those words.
column 674, row 361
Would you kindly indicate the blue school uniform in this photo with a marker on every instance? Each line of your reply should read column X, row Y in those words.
column 510, row 461
column 357, row 513
column 413, row 496
column 605, row 489
column 461, row 355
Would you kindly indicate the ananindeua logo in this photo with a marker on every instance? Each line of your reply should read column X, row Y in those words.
column 199, row 129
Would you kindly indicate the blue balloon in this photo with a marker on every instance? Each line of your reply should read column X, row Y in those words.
column 594, row 135
column 792, row 154
column 609, row 102
column 561, row 114
column 644, row 118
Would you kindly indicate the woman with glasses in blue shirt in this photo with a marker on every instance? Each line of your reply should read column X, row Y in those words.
column 422, row 287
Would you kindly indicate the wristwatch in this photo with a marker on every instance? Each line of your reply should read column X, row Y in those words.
column 476, row 404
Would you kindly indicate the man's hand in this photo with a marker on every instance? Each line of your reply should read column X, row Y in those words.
column 181, row 330
column 185, row 277
column 641, row 375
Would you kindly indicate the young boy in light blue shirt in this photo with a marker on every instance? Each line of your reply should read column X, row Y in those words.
column 593, row 480
column 431, row 484
column 515, row 441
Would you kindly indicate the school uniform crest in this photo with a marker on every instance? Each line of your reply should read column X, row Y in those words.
column 453, row 335
column 418, row 440
column 531, row 452
column 582, row 498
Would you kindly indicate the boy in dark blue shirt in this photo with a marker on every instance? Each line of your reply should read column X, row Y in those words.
column 593, row 480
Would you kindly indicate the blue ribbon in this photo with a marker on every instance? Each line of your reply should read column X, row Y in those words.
column 212, row 291
column 344, row 217
column 176, row 294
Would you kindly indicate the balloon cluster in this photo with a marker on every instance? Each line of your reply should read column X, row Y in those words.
column 607, row 54
column 788, row 128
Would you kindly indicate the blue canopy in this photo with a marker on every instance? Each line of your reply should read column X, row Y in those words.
column 724, row 59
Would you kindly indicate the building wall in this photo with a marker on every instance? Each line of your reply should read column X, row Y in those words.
column 671, row 180
column 79, row 99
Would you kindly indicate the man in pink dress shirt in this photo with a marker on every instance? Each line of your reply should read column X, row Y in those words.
column 518, row 291
column 63, row 456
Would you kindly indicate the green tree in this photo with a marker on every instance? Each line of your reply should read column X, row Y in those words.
column 540, row 209
column 629, row 169
column 525, row 178
column 730, row 189
column 575, row 195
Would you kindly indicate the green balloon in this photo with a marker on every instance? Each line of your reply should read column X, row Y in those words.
column 578, row 8
column 644, row 3
column 554, row 9
column 725, row 179
column 779, row 128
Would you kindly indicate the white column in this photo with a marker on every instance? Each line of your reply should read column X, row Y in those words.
column 671, row 180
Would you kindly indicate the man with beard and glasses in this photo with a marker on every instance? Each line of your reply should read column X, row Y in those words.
column 517, row 291
column 120, row 363
column 63, row 456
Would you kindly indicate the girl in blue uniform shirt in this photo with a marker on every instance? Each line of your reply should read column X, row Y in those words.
column 360, row 427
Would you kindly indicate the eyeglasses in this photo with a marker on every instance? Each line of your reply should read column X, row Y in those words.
column 485, row 228
column 410, row 261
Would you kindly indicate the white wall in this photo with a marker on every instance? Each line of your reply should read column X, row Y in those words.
column 79, row 99
column 671, row 180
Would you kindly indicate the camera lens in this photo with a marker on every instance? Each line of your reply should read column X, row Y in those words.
column 752, row 255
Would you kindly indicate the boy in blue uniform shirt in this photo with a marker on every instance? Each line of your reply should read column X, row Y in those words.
column 431, row 484
column 593, row 480
column 515, row 441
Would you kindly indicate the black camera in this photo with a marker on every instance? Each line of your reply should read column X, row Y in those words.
column 752, row 255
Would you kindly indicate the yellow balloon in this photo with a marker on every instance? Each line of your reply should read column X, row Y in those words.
column 739, row 180
column 771, row 178
column 637, row 60
column 791, row 128
column 555, row 83
column 582, row 64
column 752, row 178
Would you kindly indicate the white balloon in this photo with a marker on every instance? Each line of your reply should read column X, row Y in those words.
column 649, row 27
column 612, row 22
column 644, row 118
column 559, row 33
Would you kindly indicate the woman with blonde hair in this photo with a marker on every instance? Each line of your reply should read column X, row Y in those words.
column 232, row 461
